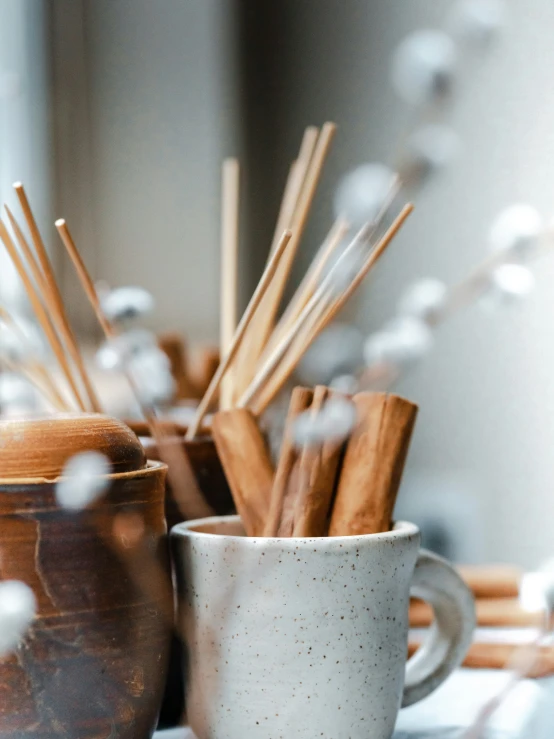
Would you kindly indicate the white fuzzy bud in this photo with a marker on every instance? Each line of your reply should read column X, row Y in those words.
column 508, row 284
column 517, row 231
column 18, row 397
column 478, row 21
column 126, row 304
column 362, row 193
column 537, row 589
column 428, row 150
column 151, row 376
column 333, row 423
column 17, row 610
column 116, row 352
column 347, row 384
column 423, row 67
column 424, row 299
column 84, row 479
column 401, row 343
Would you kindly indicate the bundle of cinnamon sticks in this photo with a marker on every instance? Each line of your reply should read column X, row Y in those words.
column 332, row 488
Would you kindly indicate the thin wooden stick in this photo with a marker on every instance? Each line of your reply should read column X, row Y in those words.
column 295, row 181
column 311, row 279
column 41, row 313
column 185, row 487
column 376, row 253
column 229, row 269
column 84, row 277
column 250, row 311
column 37, row 382
column 59, row 313
column 49, row 299
column 34, row 365
column 263, row 326
column 328, row 312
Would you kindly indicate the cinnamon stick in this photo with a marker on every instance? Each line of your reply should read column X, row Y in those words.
column 247, row 465
column 281, row 511
column 318, row 472
column 373, row 464
column 490, row 612
column 492, row 581
column 498, row 656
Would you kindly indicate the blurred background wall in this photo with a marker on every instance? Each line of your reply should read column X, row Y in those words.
column 149, row 97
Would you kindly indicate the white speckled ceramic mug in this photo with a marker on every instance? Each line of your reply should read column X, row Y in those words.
column 307, row 638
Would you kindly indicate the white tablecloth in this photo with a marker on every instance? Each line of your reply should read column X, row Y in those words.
column 527, row 714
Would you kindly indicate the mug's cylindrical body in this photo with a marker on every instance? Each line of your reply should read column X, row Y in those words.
column 294, row 637
column 94, row 662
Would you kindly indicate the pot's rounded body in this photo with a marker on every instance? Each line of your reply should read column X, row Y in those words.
column 93, row 663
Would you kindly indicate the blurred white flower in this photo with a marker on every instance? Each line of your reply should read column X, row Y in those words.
column 517, row 230
column 84, row 479
column 18, row 397
column 428, row 150
column 125, row 304
column 347, row 384
column 424, row 299
column 19, row 340
column 508, row 284
column 150, row 372
column 401, row 342
column 362, row 193
column 17, row 610
column 114, row 353
column 333, row 423
column 537, row 589
column 337, row 350
column 423, row 67
column 478, row 21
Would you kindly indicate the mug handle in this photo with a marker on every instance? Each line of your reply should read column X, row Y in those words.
column 450, row 635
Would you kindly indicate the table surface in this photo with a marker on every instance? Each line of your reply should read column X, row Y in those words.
column 527, row 714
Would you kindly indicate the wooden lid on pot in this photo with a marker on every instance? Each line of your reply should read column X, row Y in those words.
column 40, row 447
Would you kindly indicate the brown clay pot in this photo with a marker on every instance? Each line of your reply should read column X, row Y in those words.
column 93, row 664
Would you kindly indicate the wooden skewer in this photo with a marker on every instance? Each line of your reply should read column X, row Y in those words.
column 281, row 510
column 373, row 464
column 36, row 368
column 229, row 269
column 263, row 326
column 84, row 277
column 293, row 186
column 40, row 312
column 58, row 309
column 311, row 280
column 185, row 488
column 277, row 380
column 248, row 469
column 327, row 314
column 226, row 361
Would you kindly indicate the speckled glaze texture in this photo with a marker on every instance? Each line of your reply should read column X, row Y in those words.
column 93, row 664
column 302, row 638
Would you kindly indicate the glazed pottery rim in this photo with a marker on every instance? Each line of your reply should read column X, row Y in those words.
column 152, row 467
column 187, row 529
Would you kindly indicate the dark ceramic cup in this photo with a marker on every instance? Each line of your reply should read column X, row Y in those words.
column 94, row 662
column 211, row 480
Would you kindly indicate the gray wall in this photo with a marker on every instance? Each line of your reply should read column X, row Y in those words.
column 487, row 391
column 145, row 114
